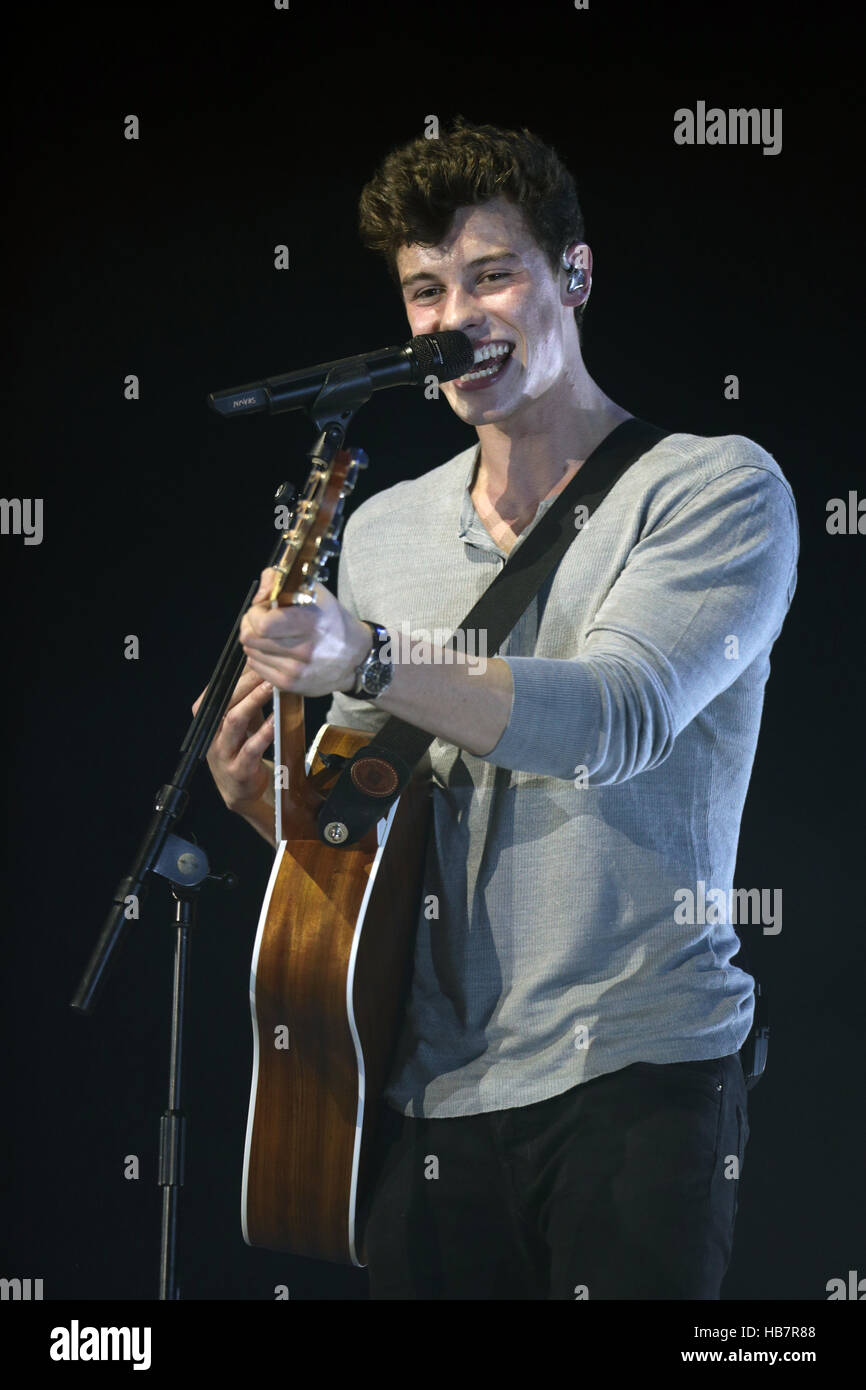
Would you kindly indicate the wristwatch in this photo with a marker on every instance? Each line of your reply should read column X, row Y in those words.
column 374, row 675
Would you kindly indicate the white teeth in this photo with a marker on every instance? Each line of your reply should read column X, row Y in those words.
column 491, row 350
column 495, row 350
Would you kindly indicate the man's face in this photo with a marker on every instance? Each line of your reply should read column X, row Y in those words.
column 492, row 281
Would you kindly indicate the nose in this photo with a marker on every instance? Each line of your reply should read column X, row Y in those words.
column 460, row 311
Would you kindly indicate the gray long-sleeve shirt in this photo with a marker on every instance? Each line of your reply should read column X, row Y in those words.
column 577, row 912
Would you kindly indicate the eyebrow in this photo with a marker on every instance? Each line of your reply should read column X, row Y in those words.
column 479, row 260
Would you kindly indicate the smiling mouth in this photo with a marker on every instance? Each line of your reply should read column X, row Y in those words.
column 489, row 362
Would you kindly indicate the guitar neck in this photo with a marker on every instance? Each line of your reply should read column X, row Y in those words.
column 309, row 542
column 293, row 807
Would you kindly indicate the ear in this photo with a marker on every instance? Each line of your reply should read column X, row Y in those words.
column 575, row 258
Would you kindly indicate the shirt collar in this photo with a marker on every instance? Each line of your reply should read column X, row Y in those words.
column 471, row 528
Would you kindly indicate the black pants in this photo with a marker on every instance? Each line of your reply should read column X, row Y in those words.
column 625, row 1187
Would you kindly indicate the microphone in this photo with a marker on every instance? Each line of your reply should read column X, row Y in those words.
column 444, row 355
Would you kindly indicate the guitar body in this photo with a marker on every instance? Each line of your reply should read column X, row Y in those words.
column 330, row 973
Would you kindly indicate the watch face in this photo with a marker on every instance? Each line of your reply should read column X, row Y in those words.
column 374, row 675
column 377, row 678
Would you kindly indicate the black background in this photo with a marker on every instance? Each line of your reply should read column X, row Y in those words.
column 155, row 257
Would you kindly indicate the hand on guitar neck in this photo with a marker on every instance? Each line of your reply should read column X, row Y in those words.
column 309, row 648
column 244, row 778
column 323, row 643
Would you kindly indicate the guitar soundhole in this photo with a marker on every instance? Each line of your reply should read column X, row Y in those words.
column 374, row 777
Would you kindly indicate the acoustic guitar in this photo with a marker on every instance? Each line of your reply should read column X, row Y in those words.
column 333, row 953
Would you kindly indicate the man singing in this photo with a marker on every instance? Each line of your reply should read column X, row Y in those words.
column 570, row 1050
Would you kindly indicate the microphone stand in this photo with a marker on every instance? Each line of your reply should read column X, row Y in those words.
column 184, row 863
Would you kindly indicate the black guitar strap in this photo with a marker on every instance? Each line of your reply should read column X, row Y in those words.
column 370, row 781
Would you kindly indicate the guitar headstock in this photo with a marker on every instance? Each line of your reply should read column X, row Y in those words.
column 312, row 537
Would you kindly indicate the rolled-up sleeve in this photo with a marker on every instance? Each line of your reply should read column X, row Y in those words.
column 700, row 598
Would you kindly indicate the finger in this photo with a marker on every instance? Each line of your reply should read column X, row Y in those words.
column 266, row 646
column 266, row 584
column 248, row 686
column 247, row 681
column 243, row 719
column 252, row 751
column 289, row 624
column 282, row 674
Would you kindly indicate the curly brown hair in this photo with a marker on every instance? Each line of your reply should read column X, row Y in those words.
column 417, row 189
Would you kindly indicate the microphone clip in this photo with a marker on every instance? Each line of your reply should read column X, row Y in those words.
column 344, row 391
